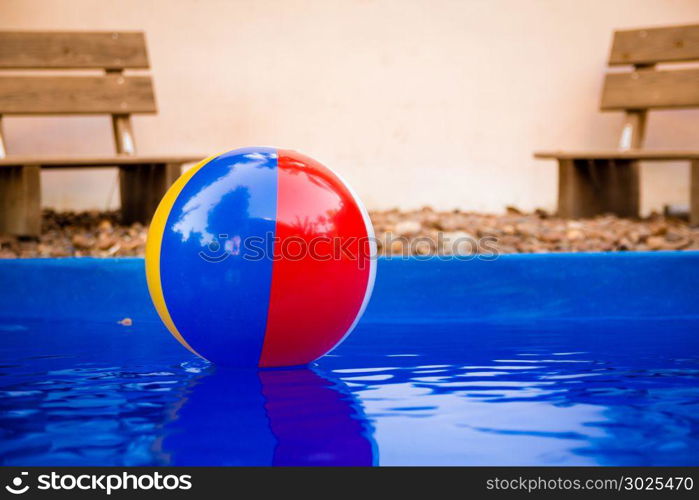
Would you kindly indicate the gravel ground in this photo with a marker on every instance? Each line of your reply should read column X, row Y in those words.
column 421, row 232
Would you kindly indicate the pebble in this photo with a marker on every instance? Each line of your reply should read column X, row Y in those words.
column 82, row 241
column 408, row 228
column 418, row 232
column 459, row 243
column 518, row 232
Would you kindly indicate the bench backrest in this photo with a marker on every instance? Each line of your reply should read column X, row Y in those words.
column 645, row 87
column 111, row 92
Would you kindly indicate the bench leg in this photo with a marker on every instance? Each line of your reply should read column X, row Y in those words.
column 142, row 187
column 20, row 200
column 591, row 187
column 694, row 195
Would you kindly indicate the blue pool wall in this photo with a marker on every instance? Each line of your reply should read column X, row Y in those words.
column 509, row 288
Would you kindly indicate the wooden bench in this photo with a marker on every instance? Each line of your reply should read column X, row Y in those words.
column 143, row 179
column 595, row 182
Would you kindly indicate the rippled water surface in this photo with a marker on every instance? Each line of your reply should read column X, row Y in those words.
column 564, row 393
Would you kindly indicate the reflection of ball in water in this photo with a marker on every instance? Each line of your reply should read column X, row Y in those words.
column 296, row 417
column 260, row 257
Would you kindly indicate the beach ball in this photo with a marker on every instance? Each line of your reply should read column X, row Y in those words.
column 260, row 257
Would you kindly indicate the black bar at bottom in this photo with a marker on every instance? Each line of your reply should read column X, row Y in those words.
column 329, row 483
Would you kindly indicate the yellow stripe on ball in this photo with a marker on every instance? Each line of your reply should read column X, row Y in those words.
column 154, row 243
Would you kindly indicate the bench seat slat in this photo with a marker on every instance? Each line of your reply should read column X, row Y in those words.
column 611, row 154
column 655, row 45
column 95, row 161
column 72, row 50
column 76, row 94
column 651, row 89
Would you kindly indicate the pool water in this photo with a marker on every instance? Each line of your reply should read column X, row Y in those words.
column 560, row 392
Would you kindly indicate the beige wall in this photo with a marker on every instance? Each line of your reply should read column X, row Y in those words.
column 415, row 102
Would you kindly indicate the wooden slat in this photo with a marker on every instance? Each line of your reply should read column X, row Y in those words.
column 20, row 200
column 76, row 94
column 633, row 132
column 3, row 148
column 655, row 45
column 142, row 187
column 94, row 161
column 123, row 135
column 38, row 50
column 613, row 154
column 591, row 187
column 651, row 89
column 694, row 194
